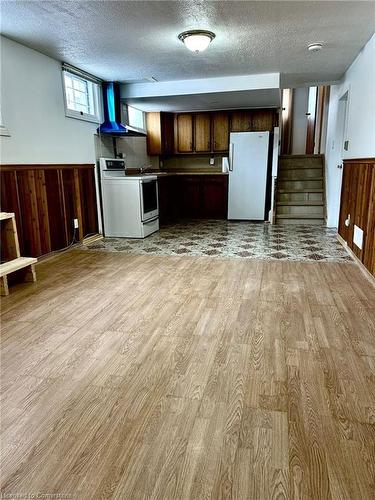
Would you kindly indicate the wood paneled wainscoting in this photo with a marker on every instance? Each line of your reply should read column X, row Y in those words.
column 46, row 199
column 358, row 205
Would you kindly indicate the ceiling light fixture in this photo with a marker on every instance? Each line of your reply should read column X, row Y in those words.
column 196, row 40
column 315, row 47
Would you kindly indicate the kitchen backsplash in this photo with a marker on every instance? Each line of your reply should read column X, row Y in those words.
column 135, row 153
column 134, row 150
column 192, row 162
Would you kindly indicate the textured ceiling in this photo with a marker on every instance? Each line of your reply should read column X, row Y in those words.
column 132, row 41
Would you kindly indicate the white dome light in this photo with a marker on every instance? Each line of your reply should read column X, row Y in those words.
column 315, row 47
column 196, row 40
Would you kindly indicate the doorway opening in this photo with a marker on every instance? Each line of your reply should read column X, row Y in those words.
column 304, row 120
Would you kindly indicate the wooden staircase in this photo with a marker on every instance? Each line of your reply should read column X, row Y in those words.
column 300, row 194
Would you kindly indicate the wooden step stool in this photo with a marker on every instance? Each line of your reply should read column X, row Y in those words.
column 10, row 253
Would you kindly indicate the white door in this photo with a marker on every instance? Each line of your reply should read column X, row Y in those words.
column 248, row 175
column 335, row 156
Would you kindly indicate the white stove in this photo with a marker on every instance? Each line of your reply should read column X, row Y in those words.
column 129, row 203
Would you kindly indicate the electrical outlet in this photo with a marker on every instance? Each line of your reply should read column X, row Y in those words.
column 212, row 161
column 75, row 223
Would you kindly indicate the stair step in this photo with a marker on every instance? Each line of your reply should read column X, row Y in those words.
column 301, row 203
column 299, row 167
column 304, row 211
column 299, row 216
column 293, row 157
column 300, row 164
column 299, row 197
column 300, row 175
column 306, row 190
column 297, row 222
column 305, row 185
column 309, row 179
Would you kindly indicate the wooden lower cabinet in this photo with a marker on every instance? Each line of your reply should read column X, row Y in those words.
column 167, row 200
column 358, row 205
column 189, row 197
column 192, row 197
column 203, row 196
column 214, row 192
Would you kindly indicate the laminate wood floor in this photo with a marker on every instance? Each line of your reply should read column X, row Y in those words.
column 145, row 377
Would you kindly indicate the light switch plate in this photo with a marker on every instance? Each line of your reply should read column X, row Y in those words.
column 212, row 161
column 358, row 237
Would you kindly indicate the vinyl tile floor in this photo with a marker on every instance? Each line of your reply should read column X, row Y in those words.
column 246, row 240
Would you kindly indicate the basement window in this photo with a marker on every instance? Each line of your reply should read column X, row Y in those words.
column 136, row 118
column 81, row 97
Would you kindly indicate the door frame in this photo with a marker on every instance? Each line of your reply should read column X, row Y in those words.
column 311, row 115
column 339, row 157
column 345, row 92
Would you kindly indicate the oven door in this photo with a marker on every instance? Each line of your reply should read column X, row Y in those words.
column 149, row 199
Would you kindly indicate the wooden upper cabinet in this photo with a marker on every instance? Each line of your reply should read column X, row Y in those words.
column 220, row 132
column 255, row 120
column 263, row 120
column 202, row 132
column 153, row 125
column 241, row 121
column 167, row 133
column 184, row 133
column 159, row 133
column 206, row 132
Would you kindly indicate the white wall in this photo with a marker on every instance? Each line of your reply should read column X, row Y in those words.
column 299, row 120
column 358, row 81
column 33, row 111
column 201, row 86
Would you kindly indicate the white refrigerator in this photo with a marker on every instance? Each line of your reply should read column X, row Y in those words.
column 248, row 161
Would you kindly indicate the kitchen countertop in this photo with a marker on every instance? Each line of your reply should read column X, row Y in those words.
column 173, row 173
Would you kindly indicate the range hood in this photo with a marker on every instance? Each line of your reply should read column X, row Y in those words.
column 112, row 113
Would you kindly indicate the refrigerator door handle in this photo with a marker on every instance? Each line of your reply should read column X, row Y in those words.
column 231, row 146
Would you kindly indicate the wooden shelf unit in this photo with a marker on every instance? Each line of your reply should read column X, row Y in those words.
column 11, row 259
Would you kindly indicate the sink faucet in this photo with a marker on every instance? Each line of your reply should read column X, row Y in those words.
column 144, row 168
